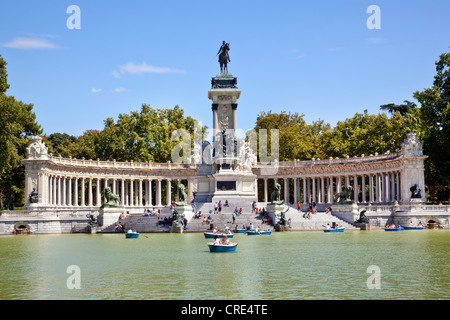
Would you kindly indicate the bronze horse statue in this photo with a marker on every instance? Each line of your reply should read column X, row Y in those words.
column 224, row 57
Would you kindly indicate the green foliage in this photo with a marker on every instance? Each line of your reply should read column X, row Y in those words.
column 402, row 108
column 138, row 136
column 297, row 139
column 365, row 134
column 435, row 125
column 17, row 125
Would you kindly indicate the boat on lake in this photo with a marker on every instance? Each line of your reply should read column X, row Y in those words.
column 222, row 247
column 240, row 230
column 413, row 228
column 131, row 235
column 394, row 229
column 253, row 232
column 211, row 235
column 334, row 230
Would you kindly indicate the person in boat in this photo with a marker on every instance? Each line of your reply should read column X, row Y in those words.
column 225, row 240
column 251, row 226
column 419, row 224
column 216, row 240
column 327, row 226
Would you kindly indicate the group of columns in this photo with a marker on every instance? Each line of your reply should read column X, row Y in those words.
column 86, row 191
column 371, row 188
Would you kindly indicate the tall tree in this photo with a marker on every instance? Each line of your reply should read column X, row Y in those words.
column 402, row 108
column 365, row 134
column 296, row 138
column 17, row 125
column 435, row 117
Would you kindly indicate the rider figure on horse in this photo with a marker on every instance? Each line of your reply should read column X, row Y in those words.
column 224, row 58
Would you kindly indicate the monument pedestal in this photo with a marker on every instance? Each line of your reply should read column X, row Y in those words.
column 274, row 211
column 347, row 212
column 108, row 215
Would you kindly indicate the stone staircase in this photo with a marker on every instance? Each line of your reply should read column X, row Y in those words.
column 317, row 221
column 149, row 224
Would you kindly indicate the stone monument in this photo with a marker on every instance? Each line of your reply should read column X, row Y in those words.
column 228, row 175
column 110, row 211
column 343, row 207
column 276, row 205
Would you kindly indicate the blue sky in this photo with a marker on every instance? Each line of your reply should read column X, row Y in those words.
column 317, row 58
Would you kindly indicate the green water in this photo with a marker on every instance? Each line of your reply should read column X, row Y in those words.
column 295, row 265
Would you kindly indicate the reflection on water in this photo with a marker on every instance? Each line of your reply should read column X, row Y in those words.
column 294, row 265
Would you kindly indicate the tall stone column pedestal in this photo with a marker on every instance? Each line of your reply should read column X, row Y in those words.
column 108, row 216
column 274, row 211
column 347, row 212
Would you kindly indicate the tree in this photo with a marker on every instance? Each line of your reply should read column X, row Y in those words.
column 17, row 125
column 402, row 108
column 297, row 139
column 138, row 136
column 365, row 134
column 435, row 123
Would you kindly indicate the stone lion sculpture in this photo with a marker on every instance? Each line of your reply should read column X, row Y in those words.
column 344, row 196
column 276, row 194
column 111, row 198
column 182, row 196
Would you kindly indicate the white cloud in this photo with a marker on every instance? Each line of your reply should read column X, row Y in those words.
column 121, row 89
column 30, row 43
column 96, row 90
column 133, row 68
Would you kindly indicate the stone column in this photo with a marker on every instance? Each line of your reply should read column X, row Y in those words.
column 355, row 189
column 140, row 193
column 97, row 193
column 363, row 189
column 83, row 192
column 371, row 199
column 305, row 196
column 339, row 184
column 136, row 193
column 69, row 193
column 168, row 192
column 398, row 187
column 286, row 190
column 322, row 193
column 378, row 187
column 392, row 187
column 75, row 194
column 50, row 191
column 295, row 191
column 330, row 190
column 59, row 191
column 122, row 192
column 131, row 200
column 313, row 180
column 266, row 196
column 158, row 193
column 90, row 195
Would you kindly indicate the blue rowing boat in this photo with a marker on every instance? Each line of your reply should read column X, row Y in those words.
column 239, row 230
column 334, row 230
column 413, row 228
column 211, row 235
column 252, row 233
column 222, row 247
column 393, row 229
column 132, row 235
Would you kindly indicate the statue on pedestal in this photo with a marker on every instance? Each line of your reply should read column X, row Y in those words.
column 224, row 57
column 182, row 196
column 344, row 196
column 112, row 200
column 362, row 217
column 415, row 192
column 33, row 198
column 276, row 195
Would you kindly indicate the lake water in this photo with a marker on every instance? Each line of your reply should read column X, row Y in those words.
column 289, row 265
